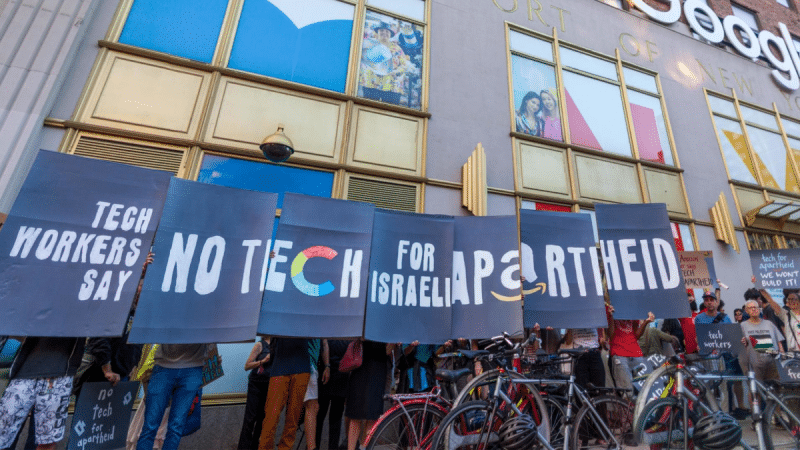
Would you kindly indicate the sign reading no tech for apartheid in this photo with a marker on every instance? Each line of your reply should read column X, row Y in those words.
column 776, row 269
column 102, row 415
column 719, row 337
column 696, row 270
column 72, row 249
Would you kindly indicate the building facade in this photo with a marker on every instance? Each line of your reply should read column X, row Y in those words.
column 443, row 106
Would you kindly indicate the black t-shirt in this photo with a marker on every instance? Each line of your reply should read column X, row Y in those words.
column 291, row 357
column 46, row 357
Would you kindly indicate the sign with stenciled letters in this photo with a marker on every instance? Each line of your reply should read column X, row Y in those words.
column 211, row 254
column 786, row 62
column 719, row 337
column 789, row 371
column 102, row 415
column 640, row 261
column 72, row 249
column 317, row 280
column 776, row 268
column 696, row 270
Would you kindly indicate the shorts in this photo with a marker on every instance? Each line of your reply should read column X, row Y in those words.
column 48, row 396
column 312, row 391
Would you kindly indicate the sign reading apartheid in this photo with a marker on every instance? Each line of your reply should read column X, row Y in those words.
column 409, row 295
column 102, row 415
column 776, row 269
column 72, row 249
column 211, row 256
column 697, row 268
column 486, row 290
column 562, row 287
column 317, row 282
column 640, row 261
column 719, row 337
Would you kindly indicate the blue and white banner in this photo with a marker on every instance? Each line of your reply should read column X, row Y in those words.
column 563, row 287
column 776, row 268
column 486, row 289
column 211, row 256
column 642, row 267
column 409, row 295
column 72, row 249
column 317, row 281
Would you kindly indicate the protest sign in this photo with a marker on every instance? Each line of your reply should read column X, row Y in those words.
column 789, row 371
column 410, row 267
column 640, row 261
column 720, row 337
column 486, row 289
column 211, row 252
column 563, row 288
column 696, row 270
column 102, row 415
column 777, row 268
column 72, row 249
column 642, row 372
column 323, row 245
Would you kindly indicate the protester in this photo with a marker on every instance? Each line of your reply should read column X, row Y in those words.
column 651, row 341
column 790, row 318
column 711, row 313
column 365, row 392
column 316, row 349
column 759, row 336
column 332, row 395
column 258, row 363
column 766, row 310
column 625, row 352
column 689, row 331
column 588, row 367
column 177, row 377
column 738, row 315
column 287, row 386
column 417, row 365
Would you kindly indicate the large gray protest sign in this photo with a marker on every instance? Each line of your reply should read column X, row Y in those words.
column 776, row 269
column 102, row 415
column 211, row 256
column 719, row 337
column 72, row 249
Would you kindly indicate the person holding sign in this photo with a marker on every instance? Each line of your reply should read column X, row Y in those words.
column 790, row 318
column 760, row 336
column 625, row 353
column 711, row 313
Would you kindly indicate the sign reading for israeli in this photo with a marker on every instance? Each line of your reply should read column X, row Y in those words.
column 72, row 249
column 719, row 337
column 563, row 287
column 102, row 415
column 640, row 261
column 776, row 269
column 210, row 265
column 696, row 268
column 317, row 281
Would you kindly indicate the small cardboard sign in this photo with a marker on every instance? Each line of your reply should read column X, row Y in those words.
column 722, row 337
column 102, row 415
column 696, row 273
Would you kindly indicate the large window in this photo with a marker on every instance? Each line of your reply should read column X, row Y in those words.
column 306, row 42
column 598, row 121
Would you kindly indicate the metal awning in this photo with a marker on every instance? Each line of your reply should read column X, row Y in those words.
column 783, row 212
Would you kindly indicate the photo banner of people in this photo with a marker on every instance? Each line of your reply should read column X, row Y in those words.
column 563, row 287
column 640, row 262
column 72, row 249
column 777, row 268
column 535, row 99
column 391, row 61
column 486, row 290
column 317, row 281
column 205, row 282
column 697, row 268
column 409, row 295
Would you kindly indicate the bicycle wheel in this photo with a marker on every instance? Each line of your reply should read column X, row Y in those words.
column 558, row 416
column 615, row 412
column 661, row 384
column 525, row 395
column 410, row 425
column 469, row 426
column 780, row 429
column 660, row 425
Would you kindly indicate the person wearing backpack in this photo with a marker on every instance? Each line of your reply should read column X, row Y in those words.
column 712, row 314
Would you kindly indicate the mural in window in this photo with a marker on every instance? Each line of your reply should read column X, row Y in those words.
column 649, row 128
column 734, row 147
column 772, row 159
column 535, row 99
column 306, row 42
column 391, row 61
column 595, row 114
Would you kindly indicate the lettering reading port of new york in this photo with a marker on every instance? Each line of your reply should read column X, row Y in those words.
column 98, row 249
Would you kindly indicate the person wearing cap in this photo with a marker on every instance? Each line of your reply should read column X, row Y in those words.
column 790, row 317
column 711, row 313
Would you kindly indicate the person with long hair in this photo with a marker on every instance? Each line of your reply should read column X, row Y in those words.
column 528, row 120
column 550, row 115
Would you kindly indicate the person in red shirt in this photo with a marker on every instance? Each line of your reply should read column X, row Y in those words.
column 687, row 325
column 625, row 354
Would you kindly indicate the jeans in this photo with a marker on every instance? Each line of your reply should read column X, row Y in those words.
column 622, row 368
column 180, row 385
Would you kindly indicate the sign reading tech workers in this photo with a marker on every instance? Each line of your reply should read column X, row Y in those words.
column 786, row 63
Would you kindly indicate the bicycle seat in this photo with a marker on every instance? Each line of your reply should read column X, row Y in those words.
column 451, row 375
column 472, row 354
column 590, row 387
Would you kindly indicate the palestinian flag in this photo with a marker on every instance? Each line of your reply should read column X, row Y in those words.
column 761, row 342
